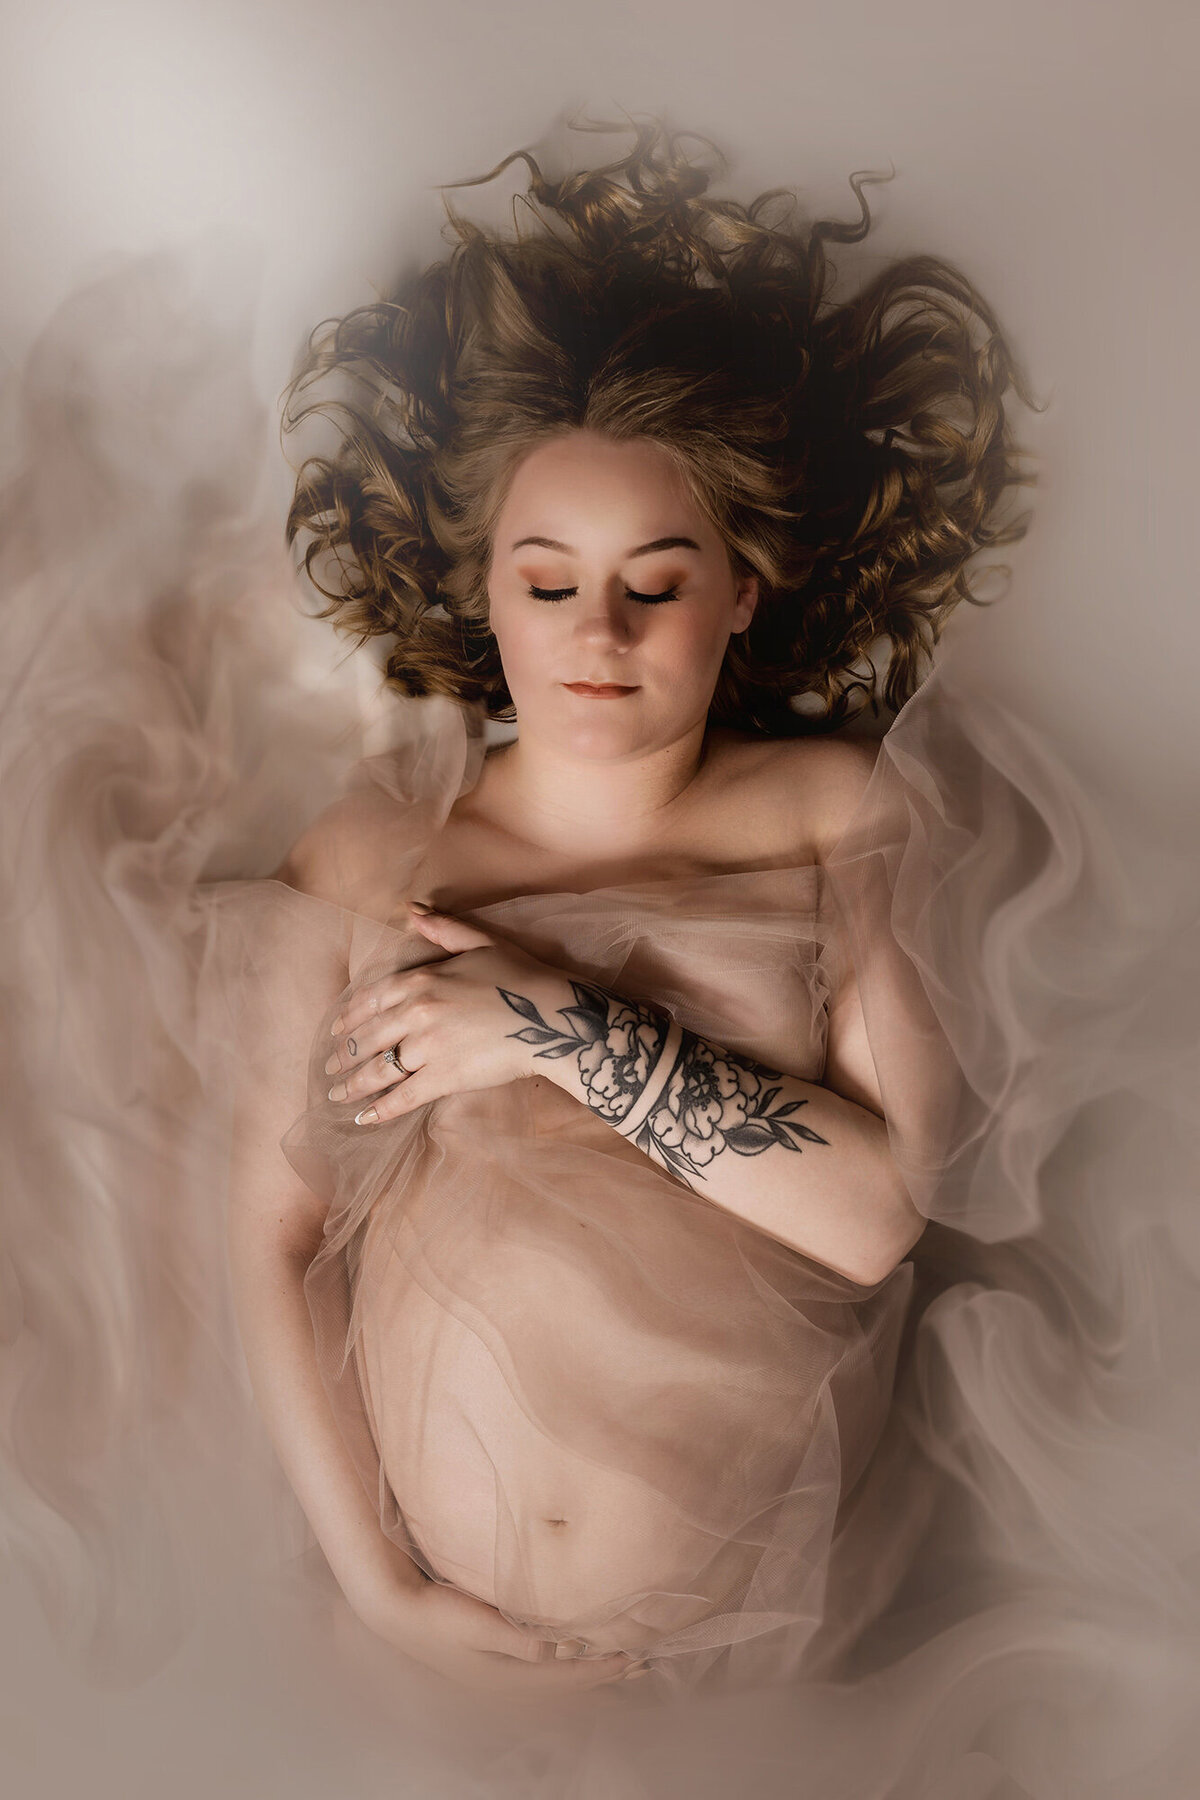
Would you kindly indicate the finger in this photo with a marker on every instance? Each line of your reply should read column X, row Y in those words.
column 374, row 998
column 573, row 1674
column 418, row 1090
column 375, row 1037
column 379, row 1021
column 450, row 933
column 515, row 1642
column 368, row 1003
column 372, row 1077
column 544, row 1680
column 523, row 1664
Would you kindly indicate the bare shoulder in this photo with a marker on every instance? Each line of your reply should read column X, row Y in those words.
column 838, row 770
column 338, row 857
column 810, row 785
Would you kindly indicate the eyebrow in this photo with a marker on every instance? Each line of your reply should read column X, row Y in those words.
column 665, row 543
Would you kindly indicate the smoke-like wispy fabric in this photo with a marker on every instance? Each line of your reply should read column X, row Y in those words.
column 936, row 1539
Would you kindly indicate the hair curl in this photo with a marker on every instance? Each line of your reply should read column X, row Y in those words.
column 851, row 455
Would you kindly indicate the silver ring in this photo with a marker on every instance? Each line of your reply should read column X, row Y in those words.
column 393, row 1056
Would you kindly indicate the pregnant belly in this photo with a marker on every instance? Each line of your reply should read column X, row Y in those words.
column 496, row 1503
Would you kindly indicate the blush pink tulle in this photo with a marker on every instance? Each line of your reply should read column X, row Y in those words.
column 908, row 1512
column 518, row 1316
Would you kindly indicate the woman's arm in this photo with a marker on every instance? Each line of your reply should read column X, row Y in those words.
column 802, row 1163
column 276, row 1226
column 277, row 1335
column 437, row 1625
column 810, row 1163
column 276, row 1223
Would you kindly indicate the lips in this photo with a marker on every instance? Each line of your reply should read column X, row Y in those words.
column 599, row 690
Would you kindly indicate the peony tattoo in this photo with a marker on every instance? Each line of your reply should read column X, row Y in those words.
column 710, row 1101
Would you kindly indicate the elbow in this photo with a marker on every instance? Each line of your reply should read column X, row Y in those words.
column 870, row 1226
column 870, row 1261
column 875, row 1269
column 895, row 1236
column 889, row 1226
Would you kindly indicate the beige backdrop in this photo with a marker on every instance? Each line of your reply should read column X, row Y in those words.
column 1048, row 148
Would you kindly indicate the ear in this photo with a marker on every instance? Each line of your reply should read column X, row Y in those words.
column 746, row 603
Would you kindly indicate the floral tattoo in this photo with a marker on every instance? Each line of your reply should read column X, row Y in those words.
column 711, row 1100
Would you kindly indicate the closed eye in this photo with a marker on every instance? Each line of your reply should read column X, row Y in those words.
column 565, row 594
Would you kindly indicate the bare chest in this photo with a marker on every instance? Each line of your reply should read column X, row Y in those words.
column 755, row 814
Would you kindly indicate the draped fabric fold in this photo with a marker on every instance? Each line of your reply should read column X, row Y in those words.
column 575, row 1388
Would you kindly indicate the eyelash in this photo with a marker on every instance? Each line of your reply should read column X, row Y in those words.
column 565, row 594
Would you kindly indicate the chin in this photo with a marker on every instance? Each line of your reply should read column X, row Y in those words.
column 594, row 728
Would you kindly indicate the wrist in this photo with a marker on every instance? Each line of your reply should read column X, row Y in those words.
column 658, row 1075
column 539, row 1025
column 613, row 1053
column 374, row 1591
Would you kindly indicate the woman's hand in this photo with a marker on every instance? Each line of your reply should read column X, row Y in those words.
column 474, row 1644
column 454, row 1028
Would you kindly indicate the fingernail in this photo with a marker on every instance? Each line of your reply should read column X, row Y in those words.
column 420, row 906
column 366, row 1118
column 332, row 1066
column 637, row 1669
column 336, row 1026
column 338, row 1091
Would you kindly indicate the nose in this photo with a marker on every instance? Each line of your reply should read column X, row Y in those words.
column 605, row 619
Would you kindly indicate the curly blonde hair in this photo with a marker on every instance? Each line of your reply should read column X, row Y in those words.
column 852, row 456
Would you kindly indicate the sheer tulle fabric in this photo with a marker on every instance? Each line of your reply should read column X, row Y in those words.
column 577, row 1389
column 965, row 1496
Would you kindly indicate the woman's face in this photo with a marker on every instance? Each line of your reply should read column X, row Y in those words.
column 608, row 527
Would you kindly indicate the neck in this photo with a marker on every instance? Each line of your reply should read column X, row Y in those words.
column 573, row 804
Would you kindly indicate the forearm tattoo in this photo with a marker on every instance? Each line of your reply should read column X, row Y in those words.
column 708, row 1101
